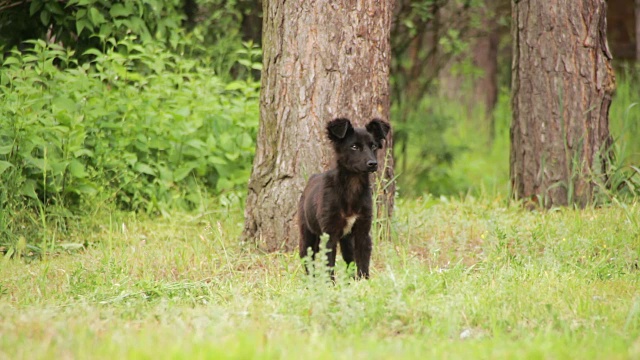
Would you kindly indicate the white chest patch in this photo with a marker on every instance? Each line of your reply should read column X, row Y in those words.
column 350, row 221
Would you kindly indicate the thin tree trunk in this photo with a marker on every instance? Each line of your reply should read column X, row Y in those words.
column 321, row 60
column 190, row 9
column 485, row 57
column 562, row 87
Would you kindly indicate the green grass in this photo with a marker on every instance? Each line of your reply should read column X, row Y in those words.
column 469, row 278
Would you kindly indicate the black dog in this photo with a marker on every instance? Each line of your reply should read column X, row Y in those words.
column 338, row 202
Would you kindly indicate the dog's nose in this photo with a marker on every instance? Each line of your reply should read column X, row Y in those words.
column 372, row 165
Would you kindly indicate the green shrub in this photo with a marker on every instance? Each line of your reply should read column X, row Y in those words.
column 86, row 24
column 212, row 29
column 140, row 127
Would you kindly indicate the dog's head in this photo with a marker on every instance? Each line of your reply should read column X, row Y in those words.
column 356, row 147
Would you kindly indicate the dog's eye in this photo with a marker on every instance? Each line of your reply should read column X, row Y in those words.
column 374, row 147
column 355, row 147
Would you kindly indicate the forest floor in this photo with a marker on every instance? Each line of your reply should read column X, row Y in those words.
column 463, row 278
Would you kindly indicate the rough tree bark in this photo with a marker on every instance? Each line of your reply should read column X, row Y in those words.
column 562, row 88
column 321, row 60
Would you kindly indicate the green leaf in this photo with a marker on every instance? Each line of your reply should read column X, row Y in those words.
column 105, row 30
column 45, row 16
column 35, row 6
column 196, row 143
column 166, row 175
column 83, row 24
column 96, row 16
column 76, row 168
column 83, row 152
column 64, row 103
column 184, row 112
column 54, row 8
column 88, row 189
column 232, row 156
column 37, row 162
column 11, row 60
column 138, row 25
column 92, row 51
column 182, row 172
column 56, row 167
column 4, row 165
column 246, row 141
column 235, row 85
column 4, row 150
column 119, row 10
column 224, row 184
column 217, row 160
column 29, row 189
column 80, row 14
column 144, row 168
column 30, row 58
column 245, row 62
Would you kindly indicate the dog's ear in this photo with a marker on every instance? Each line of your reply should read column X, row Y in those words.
column 338, row 129
column 378, row 128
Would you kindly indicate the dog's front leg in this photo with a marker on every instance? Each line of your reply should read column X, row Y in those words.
column 362, row 246
column 332, row 249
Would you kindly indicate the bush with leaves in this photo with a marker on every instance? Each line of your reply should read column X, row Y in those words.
column 140, row 127
column 86, row 24
column 211, row 29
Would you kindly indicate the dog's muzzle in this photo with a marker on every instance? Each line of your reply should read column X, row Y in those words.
column 372, row 166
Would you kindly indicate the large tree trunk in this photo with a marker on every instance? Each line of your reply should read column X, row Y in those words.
column 562, row 87
column 321, row 60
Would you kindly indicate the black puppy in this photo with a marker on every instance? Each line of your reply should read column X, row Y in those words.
column 338, row 202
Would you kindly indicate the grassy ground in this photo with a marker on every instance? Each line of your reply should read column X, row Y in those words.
column 460, row 279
